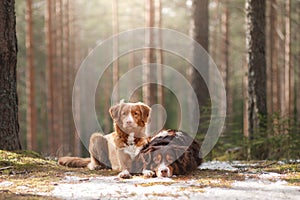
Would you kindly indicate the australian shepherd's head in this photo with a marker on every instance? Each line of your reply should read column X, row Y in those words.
column 130, row 117
column 162, row 159
column 169, row 153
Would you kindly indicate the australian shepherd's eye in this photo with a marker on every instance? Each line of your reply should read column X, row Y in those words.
column 169, row 158
column 157, row 159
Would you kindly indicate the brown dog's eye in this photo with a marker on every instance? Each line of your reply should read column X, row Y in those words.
column 136, row 113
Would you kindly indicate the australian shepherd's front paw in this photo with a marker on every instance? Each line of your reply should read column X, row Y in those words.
column 124, row 174
column 148, row 173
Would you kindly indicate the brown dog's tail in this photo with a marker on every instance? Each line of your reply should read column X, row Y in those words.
column 74, row 161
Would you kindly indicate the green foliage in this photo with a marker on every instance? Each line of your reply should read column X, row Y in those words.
column 280, row 141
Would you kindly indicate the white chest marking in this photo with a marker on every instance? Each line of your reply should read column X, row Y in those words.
column 131, row 148
column 130, row 139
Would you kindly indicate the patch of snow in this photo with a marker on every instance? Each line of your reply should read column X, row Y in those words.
column 243, row 165
column 114, row 188
column 253, row 189
column 217, row 165
column 70, row 179
column 6, row 184
column 267, row 186
column 165, row 188
column 22, row 187
column 270, row 175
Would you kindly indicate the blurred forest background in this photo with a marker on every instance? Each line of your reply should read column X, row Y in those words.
column 54, row 36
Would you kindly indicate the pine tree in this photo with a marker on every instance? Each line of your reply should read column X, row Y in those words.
column 256, row 61
column 9, row 125
column 30, row 82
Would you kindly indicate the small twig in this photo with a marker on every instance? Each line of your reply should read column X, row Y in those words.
column 266, row 165
column 4, row 168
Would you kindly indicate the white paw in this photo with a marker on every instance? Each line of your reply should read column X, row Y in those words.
column 124, row 174
column 91, row 166
column 148, row 173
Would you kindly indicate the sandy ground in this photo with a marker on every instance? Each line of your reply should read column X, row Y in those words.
column 263, row 186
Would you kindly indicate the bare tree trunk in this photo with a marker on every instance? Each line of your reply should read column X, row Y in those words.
column 245, row 112
column 274, row 47
column 160, row 61
column 71, row 76
column 256, row 60
column 30, row 82
column 66, row 79
column 289, row 76
column 150, row 74
column 298, row 71
column 200, row 34
column 225, row 62
column 149, row 91
column 49, row 66
column 58, row 76
column 9, row 125
column 115, row 23
column 216, row 34
column 77, row 59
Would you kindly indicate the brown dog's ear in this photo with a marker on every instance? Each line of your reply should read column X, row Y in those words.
column 145, row 110
column 114, row 112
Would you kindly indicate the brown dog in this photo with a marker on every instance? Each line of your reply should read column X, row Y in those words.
column 118, row 149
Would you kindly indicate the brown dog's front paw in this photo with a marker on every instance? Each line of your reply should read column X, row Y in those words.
column 124, row 174
column 148, row 173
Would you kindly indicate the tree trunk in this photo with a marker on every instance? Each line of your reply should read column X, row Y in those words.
column 9, row 125
column 66, row 79
column 256, row 60
column 225, row 63
column 160, row 61
column 49, row 66
column 298, row 71
column 77, row 59
column 115, row 23
column 200, row 34
column 30, row 82
column 58, row 75
column 72, row 74
column 289, row 76
column 274, row 70
column 149, row 91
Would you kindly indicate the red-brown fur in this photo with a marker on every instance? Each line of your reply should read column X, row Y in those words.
column 117, row 149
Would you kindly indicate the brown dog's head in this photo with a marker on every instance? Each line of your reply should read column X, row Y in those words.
column 129, row 116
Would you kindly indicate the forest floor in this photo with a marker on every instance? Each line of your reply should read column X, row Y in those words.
column 26, row 175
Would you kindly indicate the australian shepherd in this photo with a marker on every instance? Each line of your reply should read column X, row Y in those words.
column 170, row 152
